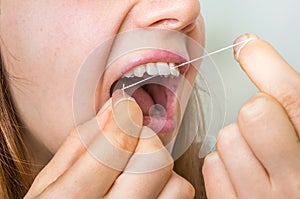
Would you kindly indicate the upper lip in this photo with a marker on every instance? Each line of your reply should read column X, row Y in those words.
column 153, row 57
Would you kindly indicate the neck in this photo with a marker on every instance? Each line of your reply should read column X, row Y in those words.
column 39, row 155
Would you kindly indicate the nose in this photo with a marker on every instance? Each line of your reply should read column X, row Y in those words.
column 171, row 14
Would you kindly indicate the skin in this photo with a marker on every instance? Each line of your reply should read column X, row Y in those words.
column 258, row 157
column 44, row 44
column 47, row 72
column 246, row 165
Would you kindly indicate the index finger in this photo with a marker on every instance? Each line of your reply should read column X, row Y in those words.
column 271, row 74
column 88, row 160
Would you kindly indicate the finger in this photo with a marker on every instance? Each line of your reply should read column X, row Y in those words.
column 271, row 136
column 96, row 170
column 271, row 74
column 247, row 174
column 69, row 152
column 147, row 172
column 177, row 188
column 216, row 178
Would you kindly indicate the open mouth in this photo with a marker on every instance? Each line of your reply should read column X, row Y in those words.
column 156, row 97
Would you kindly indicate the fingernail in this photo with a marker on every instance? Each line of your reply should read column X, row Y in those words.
column 120, row 95
column 127, row 113
column 241, row 42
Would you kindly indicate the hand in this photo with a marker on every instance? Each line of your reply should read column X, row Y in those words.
column 76, row 172
column 259, row 157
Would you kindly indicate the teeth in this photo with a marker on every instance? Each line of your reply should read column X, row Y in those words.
column 139, row 71
column 153, row 69
column 163, row 68
column 174, row 71
column 129, row 74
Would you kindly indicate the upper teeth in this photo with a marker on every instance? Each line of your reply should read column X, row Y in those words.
column 160, row 68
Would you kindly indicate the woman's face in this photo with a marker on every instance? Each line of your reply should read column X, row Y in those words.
column 44, row 43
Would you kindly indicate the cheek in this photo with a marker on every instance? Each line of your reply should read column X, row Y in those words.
column 196, row 49
column 47, row 44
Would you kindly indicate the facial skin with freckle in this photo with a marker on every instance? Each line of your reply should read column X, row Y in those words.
column 49, row 40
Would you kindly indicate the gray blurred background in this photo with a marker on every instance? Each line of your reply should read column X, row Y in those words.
column 275, row 21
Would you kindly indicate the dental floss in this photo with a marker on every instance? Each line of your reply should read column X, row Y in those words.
column 123, row 90
column 209, row 143
column 244, row 43
column 191, row 61
column 242, row 46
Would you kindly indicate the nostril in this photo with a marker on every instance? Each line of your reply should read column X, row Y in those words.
column 174, row 24
column 165, row 23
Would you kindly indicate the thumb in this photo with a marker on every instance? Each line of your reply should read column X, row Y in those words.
column 78, row 140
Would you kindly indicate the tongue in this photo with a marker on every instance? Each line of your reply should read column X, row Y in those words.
column 143, row 99
column 158, row 94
